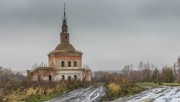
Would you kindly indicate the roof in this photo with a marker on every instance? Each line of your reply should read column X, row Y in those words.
column 72, row 69
column 52, row 69
column 44, row 69
column 65, row 47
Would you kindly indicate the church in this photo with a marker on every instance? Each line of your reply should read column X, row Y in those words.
column 65, row 62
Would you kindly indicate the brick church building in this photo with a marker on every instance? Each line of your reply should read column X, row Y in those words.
column 65, row 62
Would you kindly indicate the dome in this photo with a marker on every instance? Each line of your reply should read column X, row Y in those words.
column 65, row 47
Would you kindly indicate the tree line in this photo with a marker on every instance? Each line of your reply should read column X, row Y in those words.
column 147, row 72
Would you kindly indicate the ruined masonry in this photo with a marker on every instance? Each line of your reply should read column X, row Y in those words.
column 65, row 62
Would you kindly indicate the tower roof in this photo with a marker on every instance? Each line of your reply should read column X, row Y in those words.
column 65, row 47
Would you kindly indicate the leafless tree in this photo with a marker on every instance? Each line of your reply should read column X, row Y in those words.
column 141, row 68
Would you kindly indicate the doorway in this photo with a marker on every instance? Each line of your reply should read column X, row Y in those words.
column 50, row 78
column 69, row 78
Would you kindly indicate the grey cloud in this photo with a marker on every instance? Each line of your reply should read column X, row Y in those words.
column 111, row 33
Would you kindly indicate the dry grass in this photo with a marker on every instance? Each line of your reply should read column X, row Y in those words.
column 28, row 91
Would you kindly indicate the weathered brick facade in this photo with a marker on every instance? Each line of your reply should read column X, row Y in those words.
column 65, row 62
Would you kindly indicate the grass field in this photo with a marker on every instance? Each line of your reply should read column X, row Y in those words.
column 152, row 84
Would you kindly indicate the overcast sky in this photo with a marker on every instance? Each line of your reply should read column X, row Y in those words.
column 110, row 33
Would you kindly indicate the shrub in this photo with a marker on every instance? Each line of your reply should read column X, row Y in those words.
column 117, row 85
column 114, row 89
column 39, row 91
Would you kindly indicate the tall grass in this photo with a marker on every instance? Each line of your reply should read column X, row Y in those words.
column 28, row 91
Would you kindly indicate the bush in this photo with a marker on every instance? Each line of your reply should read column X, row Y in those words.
column 114, row 89
column 15, row 87
column 40, row 91
column 117, row 85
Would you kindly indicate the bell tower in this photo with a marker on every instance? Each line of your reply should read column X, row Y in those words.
column 64, row 34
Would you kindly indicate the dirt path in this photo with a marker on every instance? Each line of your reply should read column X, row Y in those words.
column 93, row 94
column 90, row 94
column 161, row 94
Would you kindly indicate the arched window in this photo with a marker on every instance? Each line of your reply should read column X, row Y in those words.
column 85, row 77
column 75, row 77
column 51, row 63
column 50, row 78
column 63, row 77
column 69, row 63
column 62, row 64
column 39, row 78
column 69, row 78
column 75, row 63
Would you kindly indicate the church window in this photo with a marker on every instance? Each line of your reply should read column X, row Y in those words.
column 75, row 63
column 39, row 78
column 85, row 77
column 62, row 64
column 66, row 37
column 50, row 77
column 75, row 77
column 63, row 77
column 69, row 78
column 69, row 63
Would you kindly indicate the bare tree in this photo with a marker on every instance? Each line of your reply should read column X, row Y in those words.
column 141, row 68
column 127, row 69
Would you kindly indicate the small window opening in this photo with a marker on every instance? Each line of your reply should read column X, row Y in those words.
column 50, row 78
column 75, row 63
column 62, row 63
column 63, row 77
column 69, row 63
column 75, row 77
column 69, row 78
column 39, row 78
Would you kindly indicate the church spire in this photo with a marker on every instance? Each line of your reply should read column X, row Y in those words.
column 64, row 34
column 64, row 26
column 64, row 18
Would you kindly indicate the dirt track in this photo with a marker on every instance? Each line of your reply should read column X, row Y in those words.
column 90, row 94
column 161, row 94
column 93, row 94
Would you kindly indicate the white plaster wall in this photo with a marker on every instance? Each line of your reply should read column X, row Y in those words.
column 58, row 77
